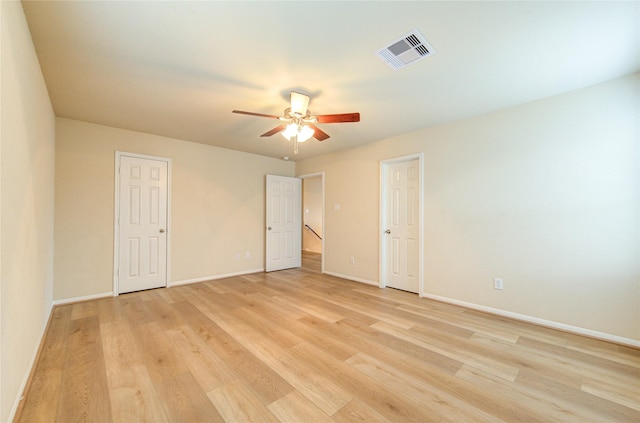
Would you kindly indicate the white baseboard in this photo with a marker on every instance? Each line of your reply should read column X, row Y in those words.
column 30, row 368
column 80, row 299
column 211, row 278
column 541, row 322
column 352, row 278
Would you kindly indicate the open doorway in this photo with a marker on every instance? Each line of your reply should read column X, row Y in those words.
column 313, row 221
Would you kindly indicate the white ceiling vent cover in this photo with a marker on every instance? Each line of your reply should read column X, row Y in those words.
column 408, row 49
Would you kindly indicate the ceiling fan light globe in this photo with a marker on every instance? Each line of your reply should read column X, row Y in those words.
column 290, row 131
column 305, row 133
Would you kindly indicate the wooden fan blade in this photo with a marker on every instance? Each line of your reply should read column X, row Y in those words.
column 274, row 131
column 255, row 114
column 299, row 103
column 318, row 133
column 339, row 118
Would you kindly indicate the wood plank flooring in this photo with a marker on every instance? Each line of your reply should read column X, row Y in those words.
column 299, row 346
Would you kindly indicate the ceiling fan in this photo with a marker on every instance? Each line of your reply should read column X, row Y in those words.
column 298, row 124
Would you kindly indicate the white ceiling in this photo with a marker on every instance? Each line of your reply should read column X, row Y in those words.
column 177, row 69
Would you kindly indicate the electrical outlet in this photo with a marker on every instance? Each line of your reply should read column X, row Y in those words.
column 497, row 283
column 247, row 255
column 237, row 256
column 352, row 260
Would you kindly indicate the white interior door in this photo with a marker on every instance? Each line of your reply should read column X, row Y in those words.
column 401, row 225
column 142, row 224
column 283, row 224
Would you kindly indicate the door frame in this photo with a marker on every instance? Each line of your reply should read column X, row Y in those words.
column 116, row 209
column 383, row 250
column 324, row 223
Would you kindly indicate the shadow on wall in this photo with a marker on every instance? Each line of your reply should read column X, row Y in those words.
column 310, row 242
column 312, row 214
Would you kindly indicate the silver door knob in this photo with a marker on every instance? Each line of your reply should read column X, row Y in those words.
column 388, row 231
column 268, row 228
column 161, row 231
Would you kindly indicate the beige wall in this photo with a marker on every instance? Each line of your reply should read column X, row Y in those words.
column 544, row 195
column 26, row 205
column 217, row 206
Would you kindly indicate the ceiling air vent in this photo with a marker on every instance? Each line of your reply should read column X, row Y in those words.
column 408, row 49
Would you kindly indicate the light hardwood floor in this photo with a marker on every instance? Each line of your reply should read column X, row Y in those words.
column 299, row 346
